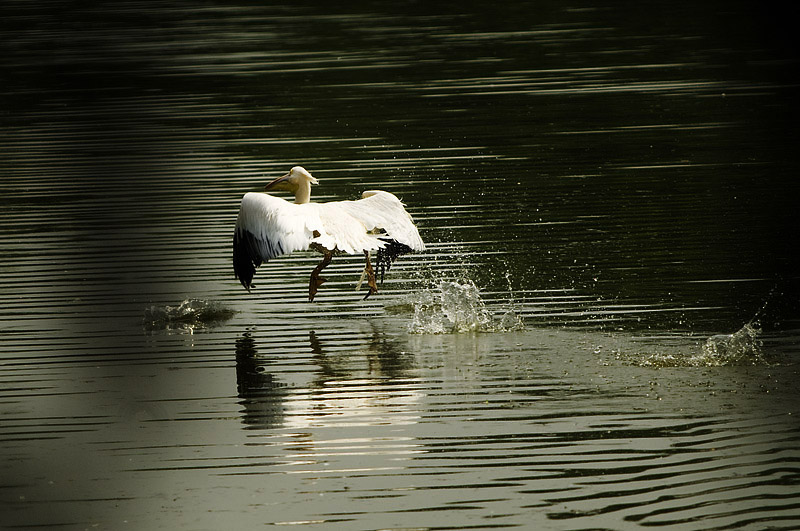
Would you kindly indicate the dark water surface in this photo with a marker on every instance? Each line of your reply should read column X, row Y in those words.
column 602, row 334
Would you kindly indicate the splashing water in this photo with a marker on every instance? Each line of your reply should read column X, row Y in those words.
column 188, row 315
column 741, row 347
column 453, row 307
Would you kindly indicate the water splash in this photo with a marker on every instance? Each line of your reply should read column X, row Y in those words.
column 189, row 315
column 743, row 347
column 457, row 307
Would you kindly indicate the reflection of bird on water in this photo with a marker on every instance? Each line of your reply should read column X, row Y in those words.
column 260, row 392
column 270, row 226
column 383, row 356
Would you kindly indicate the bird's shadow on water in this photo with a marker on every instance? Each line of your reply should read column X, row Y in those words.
column 263, row 392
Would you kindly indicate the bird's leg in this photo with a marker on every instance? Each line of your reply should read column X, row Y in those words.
column 361, row 280
column 373, row 287
column 363, row 274
column 316, row 281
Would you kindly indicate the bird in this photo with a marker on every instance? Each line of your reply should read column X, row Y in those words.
column 269, row 226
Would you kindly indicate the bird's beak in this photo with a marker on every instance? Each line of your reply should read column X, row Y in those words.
column 276, row 182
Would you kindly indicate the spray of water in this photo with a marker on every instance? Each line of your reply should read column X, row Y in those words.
column 189, row 315
column 448, row 307
column 743, row 347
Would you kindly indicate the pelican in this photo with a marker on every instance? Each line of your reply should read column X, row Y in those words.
column 270, row 226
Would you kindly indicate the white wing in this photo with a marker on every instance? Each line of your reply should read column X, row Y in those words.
column 382, row 210
column 267, row 227
column 343, row 231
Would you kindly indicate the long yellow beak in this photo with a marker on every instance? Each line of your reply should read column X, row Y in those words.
column 276, row 182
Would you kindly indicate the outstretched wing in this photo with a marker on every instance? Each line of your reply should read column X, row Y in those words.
column 342, row 232
column 384, row 212
column 267, row 227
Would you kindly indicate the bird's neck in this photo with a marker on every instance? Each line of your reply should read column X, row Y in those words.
column 303, row 193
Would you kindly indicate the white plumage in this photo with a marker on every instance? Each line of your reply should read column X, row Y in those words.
column 269, row 226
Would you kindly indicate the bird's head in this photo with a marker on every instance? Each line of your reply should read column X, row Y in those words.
column 297, row 178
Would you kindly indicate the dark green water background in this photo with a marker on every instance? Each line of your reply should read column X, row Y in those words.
column 620, row 177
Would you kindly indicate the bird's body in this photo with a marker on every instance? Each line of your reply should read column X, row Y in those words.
column 269, row 226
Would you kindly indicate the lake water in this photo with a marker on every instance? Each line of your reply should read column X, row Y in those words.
column 602, row 334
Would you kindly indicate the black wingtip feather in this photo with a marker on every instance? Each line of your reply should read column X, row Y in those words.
column 244, row 265
column 388, row 254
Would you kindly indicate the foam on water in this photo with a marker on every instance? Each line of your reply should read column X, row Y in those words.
column 449, row 307
column 189, row 315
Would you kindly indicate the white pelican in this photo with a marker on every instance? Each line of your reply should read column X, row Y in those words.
column 270, row 226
